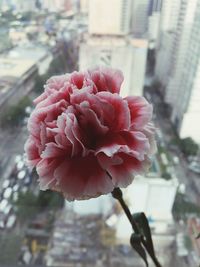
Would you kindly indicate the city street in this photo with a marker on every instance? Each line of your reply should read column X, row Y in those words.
column 183, row 174
column 11, row 143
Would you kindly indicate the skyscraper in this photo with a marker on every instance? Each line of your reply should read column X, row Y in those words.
column 109, row 17
column 184, row 86
column 140, row 17
column 111, row 43
column 166, row 36
column 127, row 55
column 178, row 65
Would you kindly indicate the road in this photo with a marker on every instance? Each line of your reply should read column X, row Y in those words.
column 11, row 143
column 183, row 174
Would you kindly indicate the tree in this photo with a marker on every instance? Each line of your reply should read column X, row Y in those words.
column 183, row 207
column 50, row 200
column 26, row 205
column 188, row 146
column 29, row 204
column 14, row 114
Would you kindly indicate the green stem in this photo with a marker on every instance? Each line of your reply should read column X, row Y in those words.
column 117, row 193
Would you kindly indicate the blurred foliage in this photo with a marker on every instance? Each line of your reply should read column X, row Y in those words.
column 57, row 66
column 8, row 15
column 166, row 175
column 50, row 200
column 163, row 168
column 10, row 246
column 13, row 115
column 26, row 205
column 188, row 146
column 188, row 242
column 29, row 204
column 182, row 208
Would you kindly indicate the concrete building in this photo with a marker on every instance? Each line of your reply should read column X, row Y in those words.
column 155, row 197
column 154, row 6
column 159, row 212
column 18, row 5
column 109, row 17
column 16, row 80
column 140, row 17
column 18, row 71
column 128, row 55
column 110, row 42
column 56, row 5
column 84, row 6
column 193, row 230
column 165, row 41
column 182, row 91
column 153, row 27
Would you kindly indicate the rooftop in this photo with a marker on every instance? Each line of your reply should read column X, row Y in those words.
column 14, row 67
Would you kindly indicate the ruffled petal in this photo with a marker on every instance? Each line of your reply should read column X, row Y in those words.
column 121, row 117
column 107, row 79
column 88, row 180
column 45, row 169
column 123, row 167
column 140, row 111
column 31, row 150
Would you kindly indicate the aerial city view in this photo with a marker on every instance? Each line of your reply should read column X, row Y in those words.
column 156, row 44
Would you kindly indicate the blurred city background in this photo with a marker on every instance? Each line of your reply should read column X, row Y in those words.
column 156, row 43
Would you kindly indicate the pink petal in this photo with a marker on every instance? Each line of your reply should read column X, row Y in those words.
column 107, row 79
column 125, row 168
column 32, row 152
column 77, row 78
column 140, row 110
column 45, row 169
column 149, row 131
column 53, row 151
column 82, row 177
column 134, row 143
column 121, row 118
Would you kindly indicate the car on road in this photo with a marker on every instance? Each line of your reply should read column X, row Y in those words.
column 195, row 167
column 16, row 188
column 11, row 221
column 3, row 204
column 18, row 158
column 7, row 193
column 2, row 220
column 5, row 184
column 175, row 160
column 20, row 165
column 27, row 180
column 21, row 175
column 15, row 196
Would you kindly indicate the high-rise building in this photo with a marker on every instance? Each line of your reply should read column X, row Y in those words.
column 184, row 86
column 84, row 6
column 128, row 55
column 154, row 6
column 178, row 65
column 165, row 42
column 154, row 10
column 18, row 5
column 140, row 17
column 110, row 43
column 109, row 17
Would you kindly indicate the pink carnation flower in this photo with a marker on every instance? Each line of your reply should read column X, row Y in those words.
column 85, row 139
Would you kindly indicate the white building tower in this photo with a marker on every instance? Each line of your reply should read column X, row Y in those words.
column 110, row 43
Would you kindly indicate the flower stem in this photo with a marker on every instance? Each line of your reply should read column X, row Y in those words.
column 117, row 193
